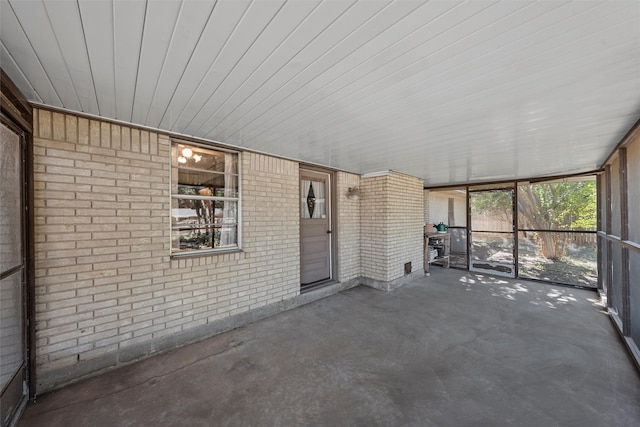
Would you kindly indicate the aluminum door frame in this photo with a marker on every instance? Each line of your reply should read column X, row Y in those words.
column 494, row 267
column 329, row 203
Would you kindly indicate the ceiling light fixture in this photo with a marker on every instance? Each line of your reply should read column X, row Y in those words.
column 186, row 152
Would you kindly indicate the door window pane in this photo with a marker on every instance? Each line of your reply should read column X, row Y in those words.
column 312, row 199
column 492, row 210
column 493, row 247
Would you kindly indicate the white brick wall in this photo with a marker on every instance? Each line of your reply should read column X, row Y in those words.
column 427, row 207
column 405, row 224
column 374, row 235
column 348, row 235
column 106, row 285
column 392, row 225
column 104, row 277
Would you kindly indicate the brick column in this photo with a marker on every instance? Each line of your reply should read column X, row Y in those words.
column 392, row 220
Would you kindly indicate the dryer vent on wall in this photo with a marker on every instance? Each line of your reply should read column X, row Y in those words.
column 407, row 268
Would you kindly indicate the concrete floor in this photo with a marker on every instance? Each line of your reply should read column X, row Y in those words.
column 452, row 349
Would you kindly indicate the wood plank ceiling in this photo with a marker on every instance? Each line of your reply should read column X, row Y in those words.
column 449, row 91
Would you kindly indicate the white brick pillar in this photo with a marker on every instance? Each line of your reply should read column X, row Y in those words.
column 392, row 220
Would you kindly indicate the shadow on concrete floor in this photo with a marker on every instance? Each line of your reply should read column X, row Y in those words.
column 452, row 349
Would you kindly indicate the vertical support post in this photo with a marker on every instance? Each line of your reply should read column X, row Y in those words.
column 599, row 227
column 516, row 265
column 468, row 230
column 610, row 284
column 624, row 235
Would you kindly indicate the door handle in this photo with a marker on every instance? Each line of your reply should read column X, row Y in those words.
column 328, row 231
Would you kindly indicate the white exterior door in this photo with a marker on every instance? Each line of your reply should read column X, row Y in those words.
column 315, row 227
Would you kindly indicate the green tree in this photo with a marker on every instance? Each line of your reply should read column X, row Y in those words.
column 545, row 206
column 497, row 204
column 557, row 206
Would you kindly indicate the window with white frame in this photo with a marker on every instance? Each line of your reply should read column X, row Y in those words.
column 205, row 199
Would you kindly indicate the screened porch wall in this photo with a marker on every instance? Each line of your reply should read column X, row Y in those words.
column 619, row 239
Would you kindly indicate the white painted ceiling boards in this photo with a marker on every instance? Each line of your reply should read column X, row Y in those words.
column 449, row 91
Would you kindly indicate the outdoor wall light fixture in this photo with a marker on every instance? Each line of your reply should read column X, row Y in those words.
column 353, row 193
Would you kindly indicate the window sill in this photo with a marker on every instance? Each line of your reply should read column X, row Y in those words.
column 198, row 254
